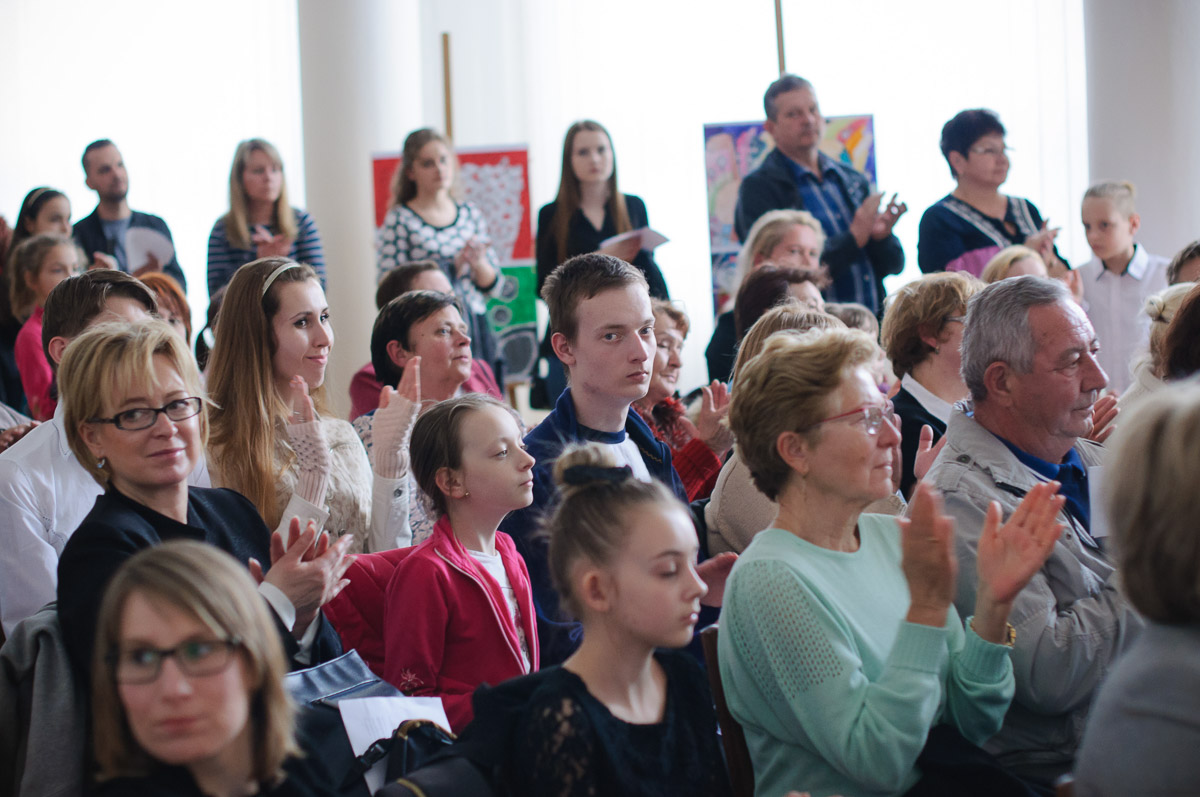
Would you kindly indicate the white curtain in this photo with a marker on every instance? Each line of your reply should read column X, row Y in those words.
column 176, row 86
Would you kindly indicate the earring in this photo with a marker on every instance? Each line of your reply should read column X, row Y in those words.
column 100, row 465
column 937, row 349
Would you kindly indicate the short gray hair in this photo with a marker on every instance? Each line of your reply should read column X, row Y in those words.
column 997, row 327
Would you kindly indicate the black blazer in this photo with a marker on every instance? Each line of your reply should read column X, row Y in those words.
column 89, row 233
column 118, row 527
column 913, row 416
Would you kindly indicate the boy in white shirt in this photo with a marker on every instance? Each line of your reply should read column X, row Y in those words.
column 1119, row 279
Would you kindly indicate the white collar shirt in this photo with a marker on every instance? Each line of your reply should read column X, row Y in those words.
column 1115, row 306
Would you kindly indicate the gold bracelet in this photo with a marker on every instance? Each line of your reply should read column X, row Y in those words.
column 1010, row 633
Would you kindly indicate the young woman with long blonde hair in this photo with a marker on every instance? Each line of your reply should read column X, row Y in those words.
column 272, row 437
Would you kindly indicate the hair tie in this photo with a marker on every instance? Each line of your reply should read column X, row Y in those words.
column 267, row 285
column 579, row 475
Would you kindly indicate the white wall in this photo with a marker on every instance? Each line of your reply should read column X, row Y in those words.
column 175, row 86
column 1143, row 69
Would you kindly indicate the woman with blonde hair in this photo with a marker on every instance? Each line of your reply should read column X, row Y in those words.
column 260, row 222
column 273, row 439
column 137, row 421
column 780, row 238
column 1141, row 734
column 215, row 719
column 922, row 334
column 1150, row 370
column 738, row 510
column 1014, row 261
column 427, row 221
column 841, row 652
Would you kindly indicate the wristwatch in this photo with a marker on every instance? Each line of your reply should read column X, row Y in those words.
column 1010, row 633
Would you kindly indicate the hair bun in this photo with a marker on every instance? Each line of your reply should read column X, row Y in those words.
column 1155, row 306
column 580, row 475
column 581, row 466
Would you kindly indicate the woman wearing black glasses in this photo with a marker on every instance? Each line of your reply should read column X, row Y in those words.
column 188, row 695
column 840, row 649
column 138, row 423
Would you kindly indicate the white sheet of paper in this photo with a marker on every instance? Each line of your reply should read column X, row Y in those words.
column 1098, row 525
column 648, row 239
column 141, row 242
column 369, row 719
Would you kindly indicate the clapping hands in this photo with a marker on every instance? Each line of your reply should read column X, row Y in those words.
column 267, row 245
column 308, row 570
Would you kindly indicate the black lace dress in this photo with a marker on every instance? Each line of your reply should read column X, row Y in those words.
column 569, row 745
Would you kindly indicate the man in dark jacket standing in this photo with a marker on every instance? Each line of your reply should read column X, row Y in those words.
column 102, row 234
column 860, row 249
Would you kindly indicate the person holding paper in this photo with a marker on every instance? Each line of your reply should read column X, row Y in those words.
column 588, row 213
column 860, row 248
column 188, row 694
column 103, row 234
column 1029, row 362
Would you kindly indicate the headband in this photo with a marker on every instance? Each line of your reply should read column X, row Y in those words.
column 267, row 285
column 578, row 475
column 37, row 194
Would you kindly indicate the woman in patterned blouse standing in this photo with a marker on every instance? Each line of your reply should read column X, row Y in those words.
column 426, row 221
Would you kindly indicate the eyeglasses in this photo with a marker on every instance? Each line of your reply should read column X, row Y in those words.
column 962, row 319
column 991, row 151
column 195, row 658
column 872, row 417
column 145, row 417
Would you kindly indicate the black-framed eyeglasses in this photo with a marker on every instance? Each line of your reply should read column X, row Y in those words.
column 872, row 417
column 195, row 658
column 145, row 417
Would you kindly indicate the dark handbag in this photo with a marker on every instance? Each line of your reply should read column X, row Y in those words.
column 322, row 687
column 317, row 690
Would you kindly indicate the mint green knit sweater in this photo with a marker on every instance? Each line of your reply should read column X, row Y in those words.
column 835, row 690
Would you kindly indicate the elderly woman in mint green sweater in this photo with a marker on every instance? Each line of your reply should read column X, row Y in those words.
column 840, row 649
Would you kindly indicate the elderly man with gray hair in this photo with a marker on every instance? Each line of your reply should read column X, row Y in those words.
column 1029, row 362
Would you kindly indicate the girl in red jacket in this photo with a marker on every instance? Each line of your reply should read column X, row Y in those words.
column 459, row 609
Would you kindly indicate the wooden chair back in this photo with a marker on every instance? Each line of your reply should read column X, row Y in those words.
column 737, row 754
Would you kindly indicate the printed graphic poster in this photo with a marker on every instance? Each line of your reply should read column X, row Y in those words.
column 734, row 149
column 496, row 180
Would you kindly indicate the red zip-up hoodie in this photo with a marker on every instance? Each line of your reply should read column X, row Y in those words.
column 447, row 627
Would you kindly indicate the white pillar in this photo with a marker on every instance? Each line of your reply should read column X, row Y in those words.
column 360, row 88
column 1143, row 68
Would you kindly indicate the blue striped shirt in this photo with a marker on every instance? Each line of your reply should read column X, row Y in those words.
column 224, row 259
column 829, row 199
